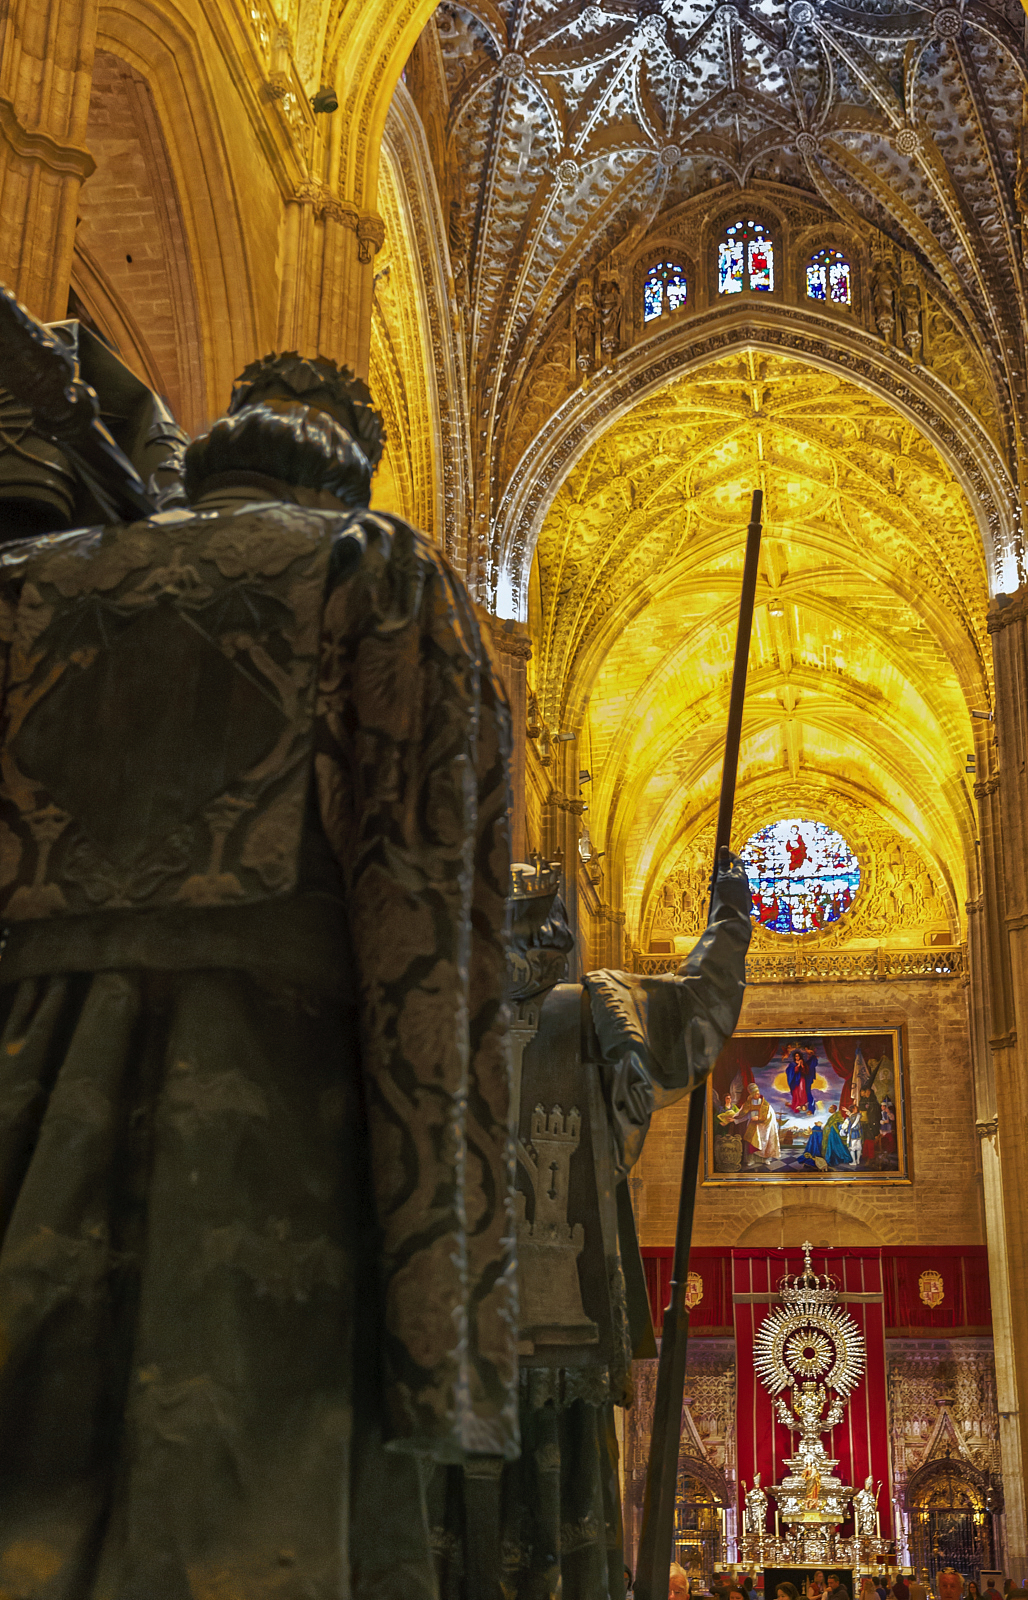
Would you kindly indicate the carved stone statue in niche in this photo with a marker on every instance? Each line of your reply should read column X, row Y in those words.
column 608, row 1052
column 883, row 294
column 585, row 337
column 610, row 301
column 910, row 311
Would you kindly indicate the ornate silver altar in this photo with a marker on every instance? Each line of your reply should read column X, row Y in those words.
column 810, row 1346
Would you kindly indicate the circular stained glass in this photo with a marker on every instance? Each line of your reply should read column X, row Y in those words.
column 802, row 874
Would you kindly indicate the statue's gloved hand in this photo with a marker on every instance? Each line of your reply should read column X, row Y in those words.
column 731, row 890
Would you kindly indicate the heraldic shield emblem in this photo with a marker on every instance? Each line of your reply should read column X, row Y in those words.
column 693, row 1290
column 931, row 1288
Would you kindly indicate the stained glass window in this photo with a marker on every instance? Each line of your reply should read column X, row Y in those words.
column 665, row 288
column 802, row 875
column 829, row 278
column 731, row 262
column 746, row 259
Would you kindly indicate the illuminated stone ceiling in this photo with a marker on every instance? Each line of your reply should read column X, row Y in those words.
column 563, row 135
column 869, row 638
column 573, row 147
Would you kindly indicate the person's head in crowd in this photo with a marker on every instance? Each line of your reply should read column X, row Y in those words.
column 736, row 1592
column 949, row 1584
column 678, row 1583
column 787, row 1591
column 833, row 1582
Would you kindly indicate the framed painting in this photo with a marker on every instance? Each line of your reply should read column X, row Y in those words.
column 809, row 1107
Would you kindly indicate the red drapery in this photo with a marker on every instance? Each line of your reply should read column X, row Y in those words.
column 965, row 1307
column 964, row 1270
column 713, row 1312
column 861, row 1441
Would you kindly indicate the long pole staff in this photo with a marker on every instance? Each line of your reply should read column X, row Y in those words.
column 653, row 1566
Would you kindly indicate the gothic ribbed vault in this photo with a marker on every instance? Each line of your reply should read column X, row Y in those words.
column 869, row 643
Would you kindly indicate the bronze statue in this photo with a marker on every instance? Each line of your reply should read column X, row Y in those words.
column 255, row 1164
column 82, row 439
column 608, row 1052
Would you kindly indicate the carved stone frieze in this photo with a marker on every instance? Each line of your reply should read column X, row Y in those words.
column 942, row 1394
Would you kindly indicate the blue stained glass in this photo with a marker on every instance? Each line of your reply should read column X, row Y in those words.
column 816, row 281
column 802, row 875
column 829, row 278
column 762, row 264
column 746, row 259
column 667, row 278
column 839, row 277
column 676, row 292
column 730, row 267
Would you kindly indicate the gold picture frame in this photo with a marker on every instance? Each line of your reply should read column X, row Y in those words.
column 810, row 1106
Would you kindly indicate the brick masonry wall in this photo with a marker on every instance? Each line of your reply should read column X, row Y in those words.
column 130, row 227
column 943, row 1205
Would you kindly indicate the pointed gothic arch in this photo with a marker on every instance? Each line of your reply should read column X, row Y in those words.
column 826, row 344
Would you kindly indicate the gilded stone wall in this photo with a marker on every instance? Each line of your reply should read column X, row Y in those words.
column 943, row 1409
column 708, row 1449
column 943, row 1205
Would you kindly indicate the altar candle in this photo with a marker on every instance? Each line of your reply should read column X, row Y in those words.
column 878, row 1523
column 776, row 1522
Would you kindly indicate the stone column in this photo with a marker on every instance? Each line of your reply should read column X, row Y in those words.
column 564, row 812
column 1003, row 819
column 327, row 278
column 46, row 70
column 346, row 324
column 298, row 226
column 514, row 648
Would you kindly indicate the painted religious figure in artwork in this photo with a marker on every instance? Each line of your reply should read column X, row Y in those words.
column 810, row 1107
column 757, row 1124
column 800, row 1073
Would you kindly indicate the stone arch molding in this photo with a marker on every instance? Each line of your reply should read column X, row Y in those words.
column 674, row 352
column 711, row 1477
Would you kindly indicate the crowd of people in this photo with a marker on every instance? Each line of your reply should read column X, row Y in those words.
column 949, row 1585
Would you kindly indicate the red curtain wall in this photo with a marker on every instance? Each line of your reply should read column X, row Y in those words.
column 964, row 1269
column 965, row 1305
